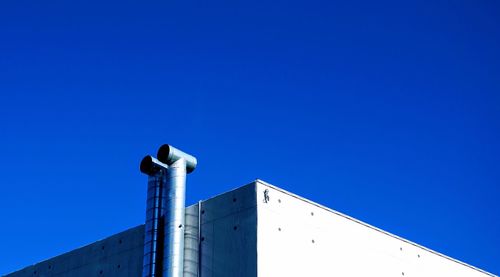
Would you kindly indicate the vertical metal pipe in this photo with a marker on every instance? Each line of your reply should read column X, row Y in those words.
column 155, row 211
column 165, row 216
column 175, row 192
column 153, row 227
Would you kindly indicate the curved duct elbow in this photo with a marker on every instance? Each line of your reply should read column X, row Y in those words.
column 150, row 165
column 168, row 154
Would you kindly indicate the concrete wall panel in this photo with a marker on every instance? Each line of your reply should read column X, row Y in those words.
column 297, row 237
column 118, row 255
column 229, row 234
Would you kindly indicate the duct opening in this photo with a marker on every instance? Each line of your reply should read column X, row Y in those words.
column 168, row 154
column 151, row 166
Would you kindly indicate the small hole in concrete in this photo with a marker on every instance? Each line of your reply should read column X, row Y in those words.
column 279, row 200
column 118, row 266
column 100, row 271
column 312, row 241
column 202, row 211
column 34, row 272
column 102, row 247
column 235, row 227
column 120, row 241
column 279, row 229
column 180, row 226
column 312, row 214
column 202, row 238
column 418, row 255
column 234, row 199
column 402, row 273
column 50, row 267
column 400, row 248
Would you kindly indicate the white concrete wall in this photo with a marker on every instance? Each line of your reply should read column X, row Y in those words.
column 297, row 237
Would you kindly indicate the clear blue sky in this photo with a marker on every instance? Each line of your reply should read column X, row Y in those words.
column 388, row 111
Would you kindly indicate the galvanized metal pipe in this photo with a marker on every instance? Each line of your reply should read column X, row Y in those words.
column 150, row 165
column 169, row 154
column 165, row 216
column 154, row 227
column 175, row 191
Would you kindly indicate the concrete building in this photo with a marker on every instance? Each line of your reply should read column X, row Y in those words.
column 261, row 230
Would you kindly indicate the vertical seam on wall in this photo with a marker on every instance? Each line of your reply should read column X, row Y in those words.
column 199, row 239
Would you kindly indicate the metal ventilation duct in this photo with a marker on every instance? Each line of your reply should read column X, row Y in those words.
column 168, row 154
column 154, row 227
column 165, row 211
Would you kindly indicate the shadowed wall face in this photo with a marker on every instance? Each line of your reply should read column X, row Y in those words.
column 227, row 237
column 118, row 255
